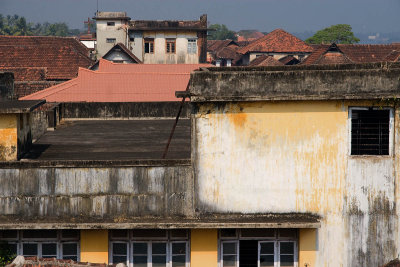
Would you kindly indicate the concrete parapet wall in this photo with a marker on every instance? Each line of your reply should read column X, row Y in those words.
column 131, row 110
column 86, row 195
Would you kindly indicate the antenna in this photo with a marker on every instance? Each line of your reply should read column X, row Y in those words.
column 97, row 5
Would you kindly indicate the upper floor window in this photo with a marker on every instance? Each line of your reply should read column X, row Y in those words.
column 371, row 130
column 110, row 23
column 151, row 247
column 170, row 46
column 258, row 247
column 192, row 46
column 60, row 244
column 111, row 40
column 149, row 45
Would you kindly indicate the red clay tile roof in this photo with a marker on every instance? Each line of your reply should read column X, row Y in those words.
column 227, row 53
column 26, row 74
column 354, row 53
column 62, row 56
column 216, row 45
column 289, row 60
column 121, row 83
column 277, row 41
column 265, row 60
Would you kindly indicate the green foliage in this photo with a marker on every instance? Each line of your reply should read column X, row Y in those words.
column 15, row 25
column 339, row 34
column 6, row 254
column 221, row 32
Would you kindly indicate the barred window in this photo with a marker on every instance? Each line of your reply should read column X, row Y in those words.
column 370, row 131
column 170, row 46
column 149, row 45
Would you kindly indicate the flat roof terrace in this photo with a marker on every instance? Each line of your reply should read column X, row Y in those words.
column 113, row 140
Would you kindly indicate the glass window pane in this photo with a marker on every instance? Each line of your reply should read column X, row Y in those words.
column 119, row 259
column 70, row 234
column 140, row 261
column 74, row 258
column 159, row 261
column 29, row 249
column 178, row 248
column 267, row 248
column 70, row 249
column 287, row 260
column 287, row 248
column 179, row 233
column 287, row 232
column 149, row 233
column 49, row 250
column 159, row 248
column 140, row 248
column 178, row 261
column 8, row 234
column 229, row 261
column 267, row 261
column 258, row 232
column 120, row 248
column 229, row 248
column 12, row 248
column 119, row 233
column 40, row 234
column 228, row 233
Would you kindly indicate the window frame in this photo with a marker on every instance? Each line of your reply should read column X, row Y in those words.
column 110, row 23
column 130, row 239
column 276, row 239
column 151, row 43
column 192, row 46
column 170, row 43
column 111, row 40
column 20, row 240
column 391, row 129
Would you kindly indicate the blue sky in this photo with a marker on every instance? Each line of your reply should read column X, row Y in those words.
column 263, row 15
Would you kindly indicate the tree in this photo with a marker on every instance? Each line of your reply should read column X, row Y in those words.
column 339, row 34
column 6, row 254
column 221, row 32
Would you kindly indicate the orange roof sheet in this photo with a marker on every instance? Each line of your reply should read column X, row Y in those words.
column 121, row 83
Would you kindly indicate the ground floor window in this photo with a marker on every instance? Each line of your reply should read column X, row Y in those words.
column 61, row 244
column 258, row 247
column 150, row 248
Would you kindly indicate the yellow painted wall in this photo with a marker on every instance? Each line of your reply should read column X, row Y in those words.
column 204, row 248
column 307, row 247
column 94, row 246
column 8, row 137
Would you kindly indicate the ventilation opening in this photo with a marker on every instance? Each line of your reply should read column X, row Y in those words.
column 370, row 132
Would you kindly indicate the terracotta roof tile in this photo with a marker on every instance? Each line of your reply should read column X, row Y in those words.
column 265, row 60
column 353, row 53
column 62, row 56
column 122, row 83
column 278, row 41
column 289, row 60
column 216, row 45
column 126, row 50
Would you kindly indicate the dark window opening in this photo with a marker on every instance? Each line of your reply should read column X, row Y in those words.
column 170, row 46
column 110, row 23
column 149, row 45
column 370, row 132
column 111, row 40
column 248, row 253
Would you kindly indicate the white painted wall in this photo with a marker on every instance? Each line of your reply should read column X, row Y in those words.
column 103, row 32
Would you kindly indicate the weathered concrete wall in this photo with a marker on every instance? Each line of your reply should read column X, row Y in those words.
column 24, row 133
column 8, row 137
column 123, row 110
column 118, row 31
column 292, row 157
column 161, row 57
column 366, row 81
column 95, row 194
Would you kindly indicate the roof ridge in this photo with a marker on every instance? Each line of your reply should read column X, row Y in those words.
column 54, row 87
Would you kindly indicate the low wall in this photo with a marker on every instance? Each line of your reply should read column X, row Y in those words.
column 123, row 110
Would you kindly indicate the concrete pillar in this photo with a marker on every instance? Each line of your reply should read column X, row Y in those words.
column 308, row 247
column 94, row 246
column 204, row 248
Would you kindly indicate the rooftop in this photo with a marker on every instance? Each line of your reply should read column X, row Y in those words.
column 278, row 41
column 113, row 140
column 200, row 24
column 114, row 82
column 61, row 56
column 111, row 15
